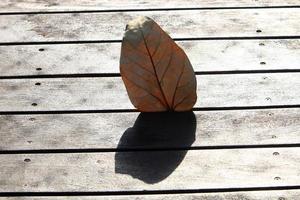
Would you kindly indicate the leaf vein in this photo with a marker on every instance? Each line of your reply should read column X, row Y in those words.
column 148, row 92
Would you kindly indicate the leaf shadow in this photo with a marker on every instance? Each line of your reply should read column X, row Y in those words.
column 162, row 140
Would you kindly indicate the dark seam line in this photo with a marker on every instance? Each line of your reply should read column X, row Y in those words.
column 98, row 75
column 46, row 112
column 145, row 149
column 134, row 110
column 248, row 71
column 144, row 9
column 59, row 42
column 176, row 39
column 150, row 192
column 83, row 75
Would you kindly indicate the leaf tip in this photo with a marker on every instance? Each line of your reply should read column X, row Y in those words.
column 138, row 22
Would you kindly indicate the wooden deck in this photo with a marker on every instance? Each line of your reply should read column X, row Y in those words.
column 69, row 131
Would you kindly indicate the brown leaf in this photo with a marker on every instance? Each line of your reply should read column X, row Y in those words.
column 156, row 72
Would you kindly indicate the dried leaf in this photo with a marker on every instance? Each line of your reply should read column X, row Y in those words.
column 156, row 72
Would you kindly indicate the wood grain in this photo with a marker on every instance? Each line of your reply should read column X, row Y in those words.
column 257, row 195
column 110, row 26
column 109, row 92
column 151, row 170
column 104, row 57
column 69, row 5
column 104, row 130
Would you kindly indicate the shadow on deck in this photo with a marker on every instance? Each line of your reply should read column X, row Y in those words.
column 165, row 130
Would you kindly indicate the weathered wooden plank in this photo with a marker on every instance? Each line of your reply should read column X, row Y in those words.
column 111, row 25
column 104, row 57
column 106, row 130
column 256, row 195
column 67, row 5
column 150, row 170
column 109, row 92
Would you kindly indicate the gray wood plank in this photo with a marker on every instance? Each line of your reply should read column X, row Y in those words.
column 111, row 25
column 104, row 57
column 105, row 130
column 150, row 170
column 110, row 93
column 67, row 5
column 256, row 195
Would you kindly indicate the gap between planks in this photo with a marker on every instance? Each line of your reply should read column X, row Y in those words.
column 58, row 112
column 144, row 9
column 292, row 194
column 175, row 39
column 12, row 6
column 98, row 75
column 208, row 194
